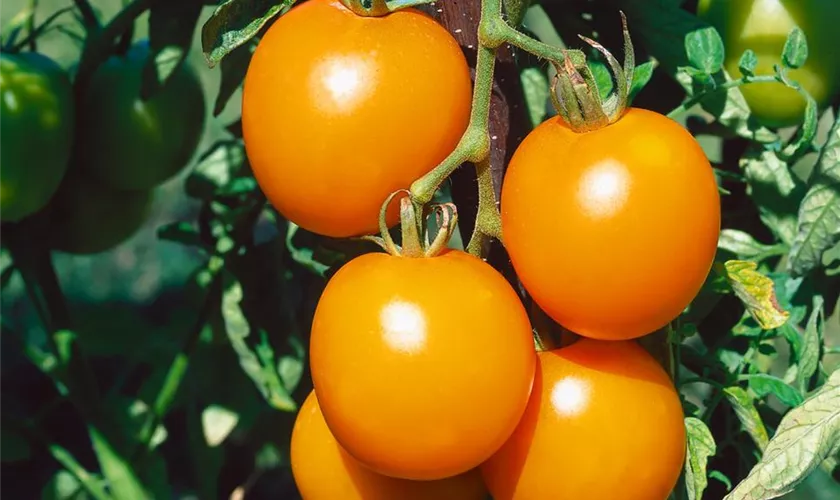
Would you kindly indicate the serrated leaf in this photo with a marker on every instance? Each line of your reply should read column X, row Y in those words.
column 234, row 67
column 641, row 76
column 234, row 23
column 775, row 190
column 171, row 27
column 704, row 48
column 818, row 225
column 806, row 436
column 744, row 246
column 536, row 89
column 748, row 63
column 763, row 384
column 795, row 51
column 218, row 422
column 699, row 447
column 259, row 364
column 757, row 293
column 811, row 342
column 749, row 417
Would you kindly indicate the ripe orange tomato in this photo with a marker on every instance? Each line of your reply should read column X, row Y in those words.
column 612, row 231
column 324, row 471
column 339, row 111
column 423, row 366
column 603, row 422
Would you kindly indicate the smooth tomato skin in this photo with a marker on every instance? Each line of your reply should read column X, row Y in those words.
column 131, row 144
column 324, row 471
column 613, row 231
column 604, row 422
column 360, row 108
column 408, row 387
column 37, row 113
column 763, row 26
column 88, row 217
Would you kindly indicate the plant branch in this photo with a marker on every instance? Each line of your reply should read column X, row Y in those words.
column 30, row 26
column 89, row 18
column 696, row 98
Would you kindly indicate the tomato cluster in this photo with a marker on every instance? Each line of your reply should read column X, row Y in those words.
column 424, row 366
column 91, row 164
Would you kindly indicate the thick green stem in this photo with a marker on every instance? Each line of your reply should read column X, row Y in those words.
column 488, row 222
column 688, row 104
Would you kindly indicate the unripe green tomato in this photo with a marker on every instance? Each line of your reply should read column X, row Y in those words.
column 132, row 144
column 763, row 26
column 36, row 118
column 89, row 217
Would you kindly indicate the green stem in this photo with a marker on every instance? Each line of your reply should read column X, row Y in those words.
column 488, row 222
column 91, row 22
column 30, row 25
column 688, row 104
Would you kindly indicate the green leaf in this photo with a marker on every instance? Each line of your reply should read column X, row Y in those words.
column 182, row 232
column 806, row 436
column 720, row 476
column 14, row 447
column 303, row 256
column 260, row 366
column 641, row 76
column 749, row 417
column 763, row 384
column 795, row 52
column 757, row 293
column 216, row 168
column 234, row 67
column 811, row 342
column 603, row 78
column 704, row 48
column 218, row 422
column 699, row 447
column 234, row 23
column 536, row 89
column 818, row 225
column 744, row 246
column 122, row 480
column 290, row 369
column 803, row 141
column 748, row 63
column 171, row 27
column 775, row 190
column 62, row 486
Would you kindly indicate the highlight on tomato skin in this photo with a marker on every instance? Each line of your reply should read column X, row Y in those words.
column 604, row 422
column 323, row 470
column 361, row 108
column 408, row 388
column 613, row 231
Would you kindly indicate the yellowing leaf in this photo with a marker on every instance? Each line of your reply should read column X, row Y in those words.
column 756, row 292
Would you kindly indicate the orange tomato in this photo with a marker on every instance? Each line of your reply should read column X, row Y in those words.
column 324, row 471
column 612, row 231
column 339, row 111
column 423, row 366
column 604, row 422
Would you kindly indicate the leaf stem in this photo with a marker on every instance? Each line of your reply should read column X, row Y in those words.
column 744, row 80
column 30, row 26
column 91, row 22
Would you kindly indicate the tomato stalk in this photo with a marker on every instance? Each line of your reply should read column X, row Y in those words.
column 415, row 240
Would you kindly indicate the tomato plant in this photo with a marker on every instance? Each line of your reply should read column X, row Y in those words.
column 763, row 26
column 37, row 121
column 643, row 185
column 88, row 217
column 359, row 109
column 323, row 470
column 571, row 425
column 135, row 144
column 382, row 336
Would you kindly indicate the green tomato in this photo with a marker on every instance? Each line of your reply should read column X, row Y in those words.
column 763, row 26
column 88, row 217
column 36, row 117
column 133, row 144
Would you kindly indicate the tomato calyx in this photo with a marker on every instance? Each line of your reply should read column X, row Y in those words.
column 575, row 92
column 415, row 238
column 379, row 8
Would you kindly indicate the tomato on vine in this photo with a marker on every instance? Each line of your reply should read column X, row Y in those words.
column 132, row 144
column 408, row 387
column 763, row 26
column 324, row 471
column 611, row 217
column 88, row 217
column 340, row 110
column 37, row 113
column 604, row 421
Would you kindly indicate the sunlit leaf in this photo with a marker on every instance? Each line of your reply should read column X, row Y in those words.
column 757, row 293
column 775, row 190
column 217, row 423
column 744, row 245
column 811, row 342
column 750, row 419
column 234, row 23
column 704, row 48
column 795, row 51
column 535, row 87
column 748, row 63
column 763, row 384
column 641, row 76
column 700, row 446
